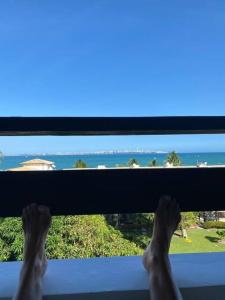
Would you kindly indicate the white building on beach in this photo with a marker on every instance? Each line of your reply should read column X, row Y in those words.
column 35, row 165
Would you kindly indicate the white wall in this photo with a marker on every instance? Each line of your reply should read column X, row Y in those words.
column 200, row 277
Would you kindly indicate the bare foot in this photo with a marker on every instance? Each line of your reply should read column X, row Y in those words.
column 167, row 218
column 36, row 223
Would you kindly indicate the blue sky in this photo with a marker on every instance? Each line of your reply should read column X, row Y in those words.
column 112, row 58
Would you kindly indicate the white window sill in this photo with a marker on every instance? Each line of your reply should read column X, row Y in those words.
column 200, row 276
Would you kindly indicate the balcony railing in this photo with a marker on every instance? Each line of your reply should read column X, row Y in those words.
column 112, row 190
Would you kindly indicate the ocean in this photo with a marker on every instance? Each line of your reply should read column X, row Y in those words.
column 112, row 160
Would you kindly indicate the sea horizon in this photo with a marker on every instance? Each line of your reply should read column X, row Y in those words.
column 102, row 152
column 93, row 160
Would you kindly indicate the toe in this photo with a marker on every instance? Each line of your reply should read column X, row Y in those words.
column 45, row 215
column 164, row 202
column 33, row 208
column 26, row 214
column 43, row 210
column 173, row 208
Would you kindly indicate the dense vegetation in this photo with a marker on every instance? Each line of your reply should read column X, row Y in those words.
column 214, row 224
column 70, row 236
column 92, row 236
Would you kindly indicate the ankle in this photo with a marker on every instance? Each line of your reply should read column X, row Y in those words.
column 32, row 266
column 160, row 247
column 159, row 257
column 153, row 259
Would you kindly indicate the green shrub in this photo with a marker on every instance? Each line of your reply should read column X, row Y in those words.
column 221, row 234
column 214, row 224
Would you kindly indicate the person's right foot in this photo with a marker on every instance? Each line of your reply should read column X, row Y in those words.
column 36, row 223
column 167, row 218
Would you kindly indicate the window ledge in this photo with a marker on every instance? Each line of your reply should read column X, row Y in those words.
column 200, row 276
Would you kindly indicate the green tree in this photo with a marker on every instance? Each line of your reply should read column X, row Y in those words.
column 173, row 159
column 187, row 220
column 138, row 219
column 113, row 219
column 137, row 228
column 132, row 162
column 153, row 163
column 69, row 237
column 80, row 164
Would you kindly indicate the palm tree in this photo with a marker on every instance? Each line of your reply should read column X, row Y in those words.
column 173, row 159
column 80, row 164
column 132, row 162
column 153, row 163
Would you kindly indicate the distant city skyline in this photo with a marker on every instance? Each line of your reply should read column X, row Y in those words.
column 90, row 152
column 112, row 58
column 104, row 153
column 166, row 143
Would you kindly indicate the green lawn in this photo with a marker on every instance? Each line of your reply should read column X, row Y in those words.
column 199, row 240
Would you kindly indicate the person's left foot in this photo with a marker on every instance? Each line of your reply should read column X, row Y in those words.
column 36, row 223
